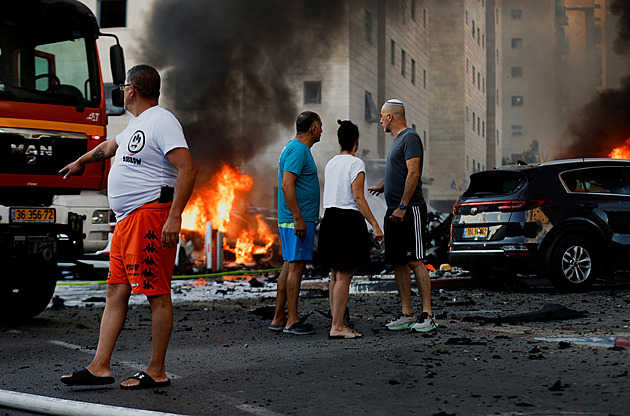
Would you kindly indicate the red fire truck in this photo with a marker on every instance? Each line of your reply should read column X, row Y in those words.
column 52, row 110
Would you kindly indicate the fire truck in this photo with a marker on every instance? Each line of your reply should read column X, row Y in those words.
column 52, row 110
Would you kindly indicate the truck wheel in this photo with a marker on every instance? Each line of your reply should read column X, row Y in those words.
column 29, row 293
column 575, row 264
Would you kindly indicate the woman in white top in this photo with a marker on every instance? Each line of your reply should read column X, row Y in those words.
column 344, row 241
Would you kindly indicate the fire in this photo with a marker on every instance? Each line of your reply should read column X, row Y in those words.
column 621, row 152
column 217, row 202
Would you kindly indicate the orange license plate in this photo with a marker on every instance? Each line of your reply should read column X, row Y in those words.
column 33, row 215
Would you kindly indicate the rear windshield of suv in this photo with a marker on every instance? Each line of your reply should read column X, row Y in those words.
column 603, row 180
column 494, row 183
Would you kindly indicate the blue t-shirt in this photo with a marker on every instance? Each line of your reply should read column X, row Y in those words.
column 407, row 145
column 296, row 158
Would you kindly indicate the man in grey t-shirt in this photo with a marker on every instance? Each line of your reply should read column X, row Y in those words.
column 406, row 217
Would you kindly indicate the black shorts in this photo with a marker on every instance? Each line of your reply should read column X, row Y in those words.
column 404, row 241
column 344, row 242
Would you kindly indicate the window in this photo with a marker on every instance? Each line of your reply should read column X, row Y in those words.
column 312, row 92
column 517, row 129
column 517, row 43
column 473, row 75
column 371, row 112
column 517, row 14
column 368, row 27
column 393, row 46
column 424, row 17
column 413, row 71
column 604, row 180
column 112, row 13
column 517, row 71
column 474, row 120
column 466, row 65
column 413, row 10
column 403, row 62
column 424, row 78
column 473, row 29
column 517, row 100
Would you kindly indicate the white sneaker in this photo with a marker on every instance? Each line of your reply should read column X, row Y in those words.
column 403, row 322
column 425, row 323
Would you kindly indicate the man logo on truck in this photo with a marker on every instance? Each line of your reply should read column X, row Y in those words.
column 136, row 143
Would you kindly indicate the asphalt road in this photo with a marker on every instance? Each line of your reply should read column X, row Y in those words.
column 224, row 361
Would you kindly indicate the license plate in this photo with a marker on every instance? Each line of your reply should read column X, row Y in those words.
column 475, row 232
column 33, row 215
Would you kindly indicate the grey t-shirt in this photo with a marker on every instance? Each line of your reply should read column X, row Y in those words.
column 407, row 145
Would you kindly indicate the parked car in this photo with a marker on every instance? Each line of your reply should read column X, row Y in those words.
column 567, row 220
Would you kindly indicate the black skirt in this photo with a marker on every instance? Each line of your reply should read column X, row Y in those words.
column 344, row 242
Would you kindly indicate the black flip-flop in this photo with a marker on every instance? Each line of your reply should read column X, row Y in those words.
column 85, row 378
column 146, row 382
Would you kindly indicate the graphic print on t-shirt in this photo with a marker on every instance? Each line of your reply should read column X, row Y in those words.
column 136, row 143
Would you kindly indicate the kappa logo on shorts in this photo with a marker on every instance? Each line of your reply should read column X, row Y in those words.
column 150, row 249
column 147, row 285
column 150, row 235
column 149, row 261
column 136, row 142
column 147, row 273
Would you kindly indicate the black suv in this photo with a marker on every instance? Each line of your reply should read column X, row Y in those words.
column 568, row 220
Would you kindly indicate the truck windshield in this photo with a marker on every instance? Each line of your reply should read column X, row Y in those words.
column 54, row 65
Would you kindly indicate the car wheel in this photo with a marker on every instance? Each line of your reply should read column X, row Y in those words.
column 575, row 264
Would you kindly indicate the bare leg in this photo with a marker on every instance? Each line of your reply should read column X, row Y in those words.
column 331, row 290
column 280, row 316
column 161, row 328
column 293, row 285
column 111, row 324
column 403, row 283
column 423, row 282
column 340, row 293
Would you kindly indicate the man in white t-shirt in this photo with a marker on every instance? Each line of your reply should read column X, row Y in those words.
column 149, row 184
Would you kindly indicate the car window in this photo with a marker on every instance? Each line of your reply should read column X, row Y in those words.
column 493, row 183
column 606, row 180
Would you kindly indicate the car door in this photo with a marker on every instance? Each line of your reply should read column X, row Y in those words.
column 605, row 192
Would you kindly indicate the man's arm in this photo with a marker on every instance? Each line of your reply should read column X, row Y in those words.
column 411, row 182
column 101, row 152
column 377, row 189
column 181, row 159
column 290, row 198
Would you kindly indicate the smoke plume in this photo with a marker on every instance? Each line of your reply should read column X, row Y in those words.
column 230, row 68
column 604, row 123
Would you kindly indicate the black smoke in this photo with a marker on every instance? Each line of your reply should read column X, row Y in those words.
column 604, row 123
column 230, row 68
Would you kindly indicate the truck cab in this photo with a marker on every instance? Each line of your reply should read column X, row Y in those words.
column 52, row 110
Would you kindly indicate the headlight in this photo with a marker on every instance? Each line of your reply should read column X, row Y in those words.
column 100, row 217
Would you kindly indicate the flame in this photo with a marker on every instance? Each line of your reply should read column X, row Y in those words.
column 621, row 152
column 215, row 202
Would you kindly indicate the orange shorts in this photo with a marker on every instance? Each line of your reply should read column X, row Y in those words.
column 136, row 256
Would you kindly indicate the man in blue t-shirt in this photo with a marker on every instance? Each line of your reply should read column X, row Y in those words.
column 406, row 217
column 298, row 210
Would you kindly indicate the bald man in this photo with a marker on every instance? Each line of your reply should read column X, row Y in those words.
column 406, row 216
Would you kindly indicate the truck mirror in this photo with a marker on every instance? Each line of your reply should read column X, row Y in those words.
column 118, row 99
column 117, row 60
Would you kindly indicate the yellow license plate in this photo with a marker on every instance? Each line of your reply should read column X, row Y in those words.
column 471, row 232
column 33, row 215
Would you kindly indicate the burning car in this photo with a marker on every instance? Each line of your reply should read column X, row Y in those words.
column 567, row 220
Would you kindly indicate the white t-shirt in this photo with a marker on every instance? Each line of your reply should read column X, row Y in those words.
column 339, row 174
column 140, row 166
